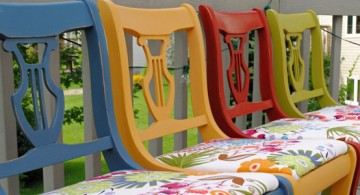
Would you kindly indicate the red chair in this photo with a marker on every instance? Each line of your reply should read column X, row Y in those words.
column 233, row 26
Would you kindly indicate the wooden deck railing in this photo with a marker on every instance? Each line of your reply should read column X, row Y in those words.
column 54, row 175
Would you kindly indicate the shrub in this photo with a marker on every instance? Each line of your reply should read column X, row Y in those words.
column 137, row 80
column 345, row 90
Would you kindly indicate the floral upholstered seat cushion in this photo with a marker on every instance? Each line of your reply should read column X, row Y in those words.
column 337, row 113
column 128, row 182
column 336, row 122
column 292, row 157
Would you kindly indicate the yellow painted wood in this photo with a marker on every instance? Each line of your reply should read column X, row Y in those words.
column 288, row 64
column 339, row 168
column 155, row 24
column 160, row 23
column 295, row 66
column 162, row 127
column 302, row 94
column 161, row 108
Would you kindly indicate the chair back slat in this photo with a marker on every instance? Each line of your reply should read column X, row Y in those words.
column 287, row 31
column 233, row 29
column 36, row 78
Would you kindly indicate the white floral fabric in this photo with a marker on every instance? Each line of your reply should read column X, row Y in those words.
column 292, row 157
column 336, row 122
column 129, row 182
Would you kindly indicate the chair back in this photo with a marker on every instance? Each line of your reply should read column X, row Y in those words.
column 40, row 25
column 146, row 25
column 233, row 29
column 289, row 67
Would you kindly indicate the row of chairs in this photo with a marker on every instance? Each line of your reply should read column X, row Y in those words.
column 230, row 160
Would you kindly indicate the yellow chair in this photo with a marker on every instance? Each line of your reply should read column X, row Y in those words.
column 289, row 67
column 309, row 165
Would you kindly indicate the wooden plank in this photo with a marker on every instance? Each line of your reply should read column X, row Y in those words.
column 8, row 140
column 242, row 120
column 335, row 58
column 53, row 175
column 181, row 88
column 228, row 5
column 305, row 53
column 333, row 7
column 256, row 118
column 93, row 161
column 129, row 45
column 321, row 7
column 155, row 145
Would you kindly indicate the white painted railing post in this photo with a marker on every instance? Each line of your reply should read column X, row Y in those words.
column 335, row 58
column 8, row 140
column 354, row 100
column 355, row 90
column 305, row 52
column 256, row 118
column 53, row 175
column 181, row 88
column 93, row 161
column 155, row 145
column 241, row 121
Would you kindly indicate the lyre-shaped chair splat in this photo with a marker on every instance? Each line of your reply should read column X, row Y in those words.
column 238, row 68
column 296, row 66
column 162, row 106
column 34, row 77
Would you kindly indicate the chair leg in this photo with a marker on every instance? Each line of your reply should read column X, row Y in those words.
column 342, row 186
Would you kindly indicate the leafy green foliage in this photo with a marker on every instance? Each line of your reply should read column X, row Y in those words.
column 71, row 72
column 345, row 90
column 313, row 104
column 74, row 115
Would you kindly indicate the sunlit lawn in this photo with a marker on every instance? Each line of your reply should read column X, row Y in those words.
column 74, row 133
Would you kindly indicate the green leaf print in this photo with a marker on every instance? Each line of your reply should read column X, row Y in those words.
column 341, row 131
column 187, row 160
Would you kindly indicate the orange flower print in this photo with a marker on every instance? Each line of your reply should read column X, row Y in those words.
column 262, row 165
column 219, row 192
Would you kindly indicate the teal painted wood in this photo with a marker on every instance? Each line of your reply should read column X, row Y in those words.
column 48, row 158
column 33, row 77
column 103, row 108
column 41, row 23
column 285, row 186
column 22, row 20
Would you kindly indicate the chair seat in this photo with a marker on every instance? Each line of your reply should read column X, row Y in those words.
column 292, row 157
column 152, row 182
column 336, row 122
column 337, row 113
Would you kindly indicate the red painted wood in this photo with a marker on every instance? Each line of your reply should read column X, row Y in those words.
column 237, row 25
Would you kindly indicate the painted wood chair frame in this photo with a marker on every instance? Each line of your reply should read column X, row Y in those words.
column 289, row 67
column 42, row 24
column 144, row 25
column 226, row 26
column 235, row 25
column 289, row 72
column 79, row 15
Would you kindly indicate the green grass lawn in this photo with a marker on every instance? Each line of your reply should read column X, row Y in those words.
column 74, row 133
